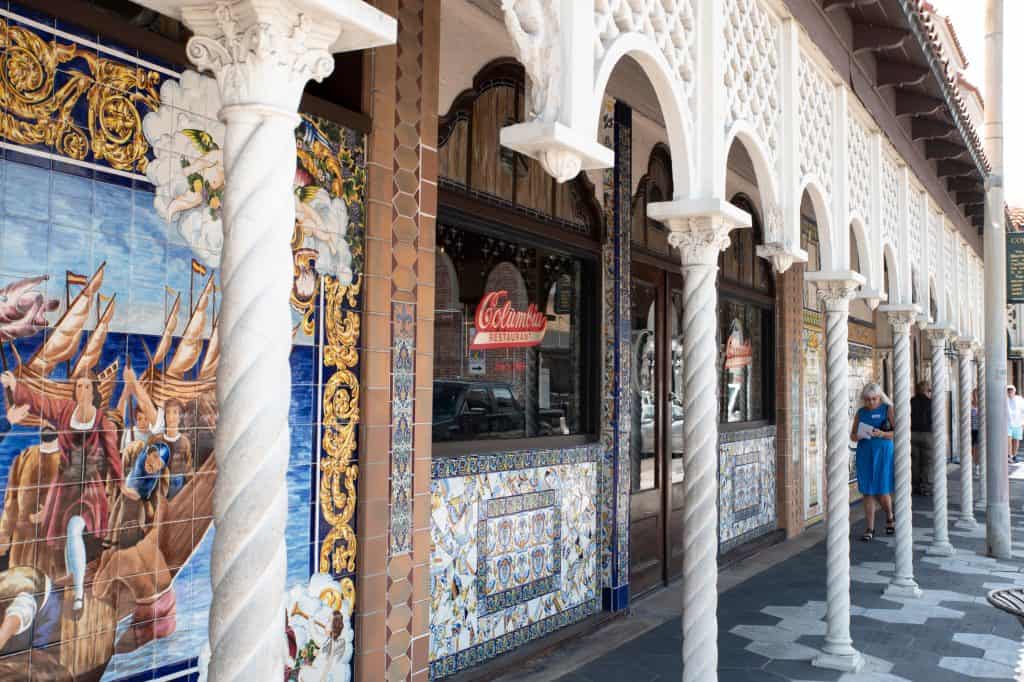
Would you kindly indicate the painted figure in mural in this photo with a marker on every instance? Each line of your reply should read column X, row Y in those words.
column 873, row 432
column 204, row 177
column 180, row 465
column 90, row 462
column 21, row 308
column 319, row 632
column 145, row 488
column 32, row 474
column 31, row 611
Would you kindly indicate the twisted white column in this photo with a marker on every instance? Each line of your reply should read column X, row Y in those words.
column 979, row 358
column 902, row 584
column 940, row 542
column 262, row 56
column 965, row 348
column 700, row 237
column 838, row 652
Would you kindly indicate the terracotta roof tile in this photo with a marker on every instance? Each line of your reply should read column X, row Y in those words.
column 1017, row 218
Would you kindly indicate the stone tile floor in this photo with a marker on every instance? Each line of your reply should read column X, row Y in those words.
column 772, row 624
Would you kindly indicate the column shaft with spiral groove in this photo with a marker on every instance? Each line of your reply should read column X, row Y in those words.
column 979, row 357
column 903, row 583
column 965, row 349
column 262, row 56
column 940, row 443
column 838, row 652
column 700, row 236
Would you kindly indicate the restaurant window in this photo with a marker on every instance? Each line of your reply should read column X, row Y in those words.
column 513, row 339
column 745, row 326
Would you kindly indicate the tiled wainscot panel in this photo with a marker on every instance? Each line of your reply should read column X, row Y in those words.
column 746, row 486
column 514, row 551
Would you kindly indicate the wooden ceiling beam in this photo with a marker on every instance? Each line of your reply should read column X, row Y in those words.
column 832, row 5
column 959, row 184
column 871, row 37
column 970, row 198
column 940, row 149
column 892, row 72
column 909, row 103
column 946, row 169
column 974, row 210
column 929, row 128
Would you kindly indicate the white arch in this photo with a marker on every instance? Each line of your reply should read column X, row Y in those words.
column 745, row 134
column 867, row 266
column 893, row 287
column 933, row 296
column 670, row 98
column 823, row 220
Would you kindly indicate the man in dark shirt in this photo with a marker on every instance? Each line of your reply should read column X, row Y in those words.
column 921, row 444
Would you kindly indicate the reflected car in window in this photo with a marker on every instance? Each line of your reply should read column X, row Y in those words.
column 467, row 410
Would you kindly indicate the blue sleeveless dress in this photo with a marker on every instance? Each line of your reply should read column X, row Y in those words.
column 875, row 456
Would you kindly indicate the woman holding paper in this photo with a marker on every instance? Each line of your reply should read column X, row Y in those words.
column 873, row 432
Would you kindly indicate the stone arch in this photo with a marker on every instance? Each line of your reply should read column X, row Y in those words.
column 933, row 300
column 950, row 313
column 859, row 240
column 671, row 99
column 743, row 133
column 890, row 266
column 823, row 221
column 915, row 289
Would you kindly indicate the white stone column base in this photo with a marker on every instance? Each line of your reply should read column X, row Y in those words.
column 847, row 660
column 940, row 549
column 966, row 523
column 904, row 589
column 997, row 515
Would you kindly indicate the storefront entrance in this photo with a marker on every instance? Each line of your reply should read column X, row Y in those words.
column 656, row 446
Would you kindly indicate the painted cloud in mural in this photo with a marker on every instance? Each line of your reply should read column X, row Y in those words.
column 188, row 173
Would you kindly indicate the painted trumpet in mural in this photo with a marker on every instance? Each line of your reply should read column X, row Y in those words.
column 105, row 509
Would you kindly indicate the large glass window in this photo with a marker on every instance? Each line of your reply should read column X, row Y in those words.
column 511, row 358
column 745, row 326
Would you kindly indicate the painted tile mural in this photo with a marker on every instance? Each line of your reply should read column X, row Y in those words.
column 746, row 486
column 515, row 551
column 109, row 287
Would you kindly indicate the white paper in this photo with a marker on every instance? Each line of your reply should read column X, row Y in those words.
column 864, row 431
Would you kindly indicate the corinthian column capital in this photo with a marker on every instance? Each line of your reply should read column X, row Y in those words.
column 965, row 347
column 263, row 52
column 836, row 289
column 938, row 334
column 901, row 317
column 699, row 228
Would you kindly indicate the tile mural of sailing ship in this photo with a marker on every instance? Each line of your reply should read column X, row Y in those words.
column 109, row 288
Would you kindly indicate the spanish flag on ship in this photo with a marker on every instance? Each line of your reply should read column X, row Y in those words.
column 198, row 268
column 76, row 279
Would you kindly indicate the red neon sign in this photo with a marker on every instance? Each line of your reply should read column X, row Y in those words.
column 499, row 325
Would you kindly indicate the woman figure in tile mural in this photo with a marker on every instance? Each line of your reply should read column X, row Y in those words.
column 91, row 465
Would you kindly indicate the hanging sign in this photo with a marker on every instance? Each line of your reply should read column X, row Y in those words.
column 500, row 325
column 1015, row 267
column 738, row 351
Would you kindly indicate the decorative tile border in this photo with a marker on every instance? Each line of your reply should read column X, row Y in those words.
column 488, row 603
column 449, row 665
column 471, row 465
column 403, row 378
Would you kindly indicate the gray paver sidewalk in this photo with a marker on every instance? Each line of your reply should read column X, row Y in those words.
column 772, row 624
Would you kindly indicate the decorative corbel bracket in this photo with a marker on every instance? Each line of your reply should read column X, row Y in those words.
column 872, row 296
column 553, row 41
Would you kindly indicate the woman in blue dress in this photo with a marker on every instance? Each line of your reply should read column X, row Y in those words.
column 875, row 456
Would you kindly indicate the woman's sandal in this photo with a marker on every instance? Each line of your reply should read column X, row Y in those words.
column 868, row 536
column 890, row 526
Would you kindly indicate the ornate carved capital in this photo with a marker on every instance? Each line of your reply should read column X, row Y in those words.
column 699, row 238
column 901, row 321
column 836, row 294
column 262, row 52
column 938, row 335
column 965, row 347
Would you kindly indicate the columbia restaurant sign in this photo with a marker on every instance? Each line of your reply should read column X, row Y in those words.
column 500, row 325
